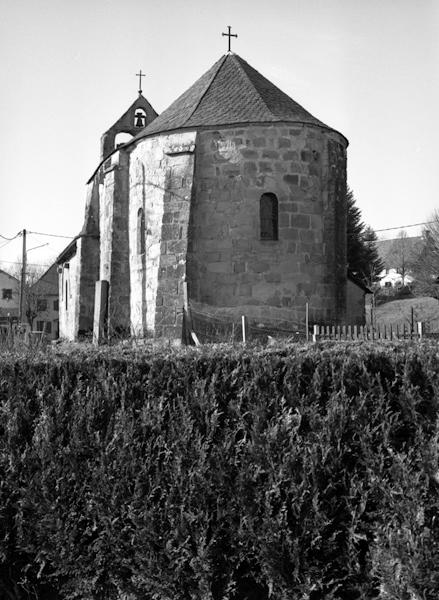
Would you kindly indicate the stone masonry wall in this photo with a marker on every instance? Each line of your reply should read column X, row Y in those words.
column 161, row 180
column 229, row 266
column 89, row 259
column 355, row 304
column 114, row 245
column 69, row 297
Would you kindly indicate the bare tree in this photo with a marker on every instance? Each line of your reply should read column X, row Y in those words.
column 426, row 267
column 33, row 294
column 403, row 255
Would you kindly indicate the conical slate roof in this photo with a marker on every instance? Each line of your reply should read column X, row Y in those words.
column 230, row 92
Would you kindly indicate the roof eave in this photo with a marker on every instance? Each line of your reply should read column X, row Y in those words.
column 231, row 126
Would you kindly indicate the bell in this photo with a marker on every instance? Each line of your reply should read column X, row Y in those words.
column 140, row 120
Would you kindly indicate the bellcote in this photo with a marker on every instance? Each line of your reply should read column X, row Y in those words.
column 139, row 115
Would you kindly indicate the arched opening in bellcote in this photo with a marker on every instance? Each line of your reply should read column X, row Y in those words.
column 140, row 118
column 122, row 138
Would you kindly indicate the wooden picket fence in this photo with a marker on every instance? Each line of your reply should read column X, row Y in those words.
column 368, row 332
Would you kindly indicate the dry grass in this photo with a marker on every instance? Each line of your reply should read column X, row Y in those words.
column 425, row 309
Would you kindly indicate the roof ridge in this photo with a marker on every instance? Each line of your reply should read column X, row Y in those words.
column 238, row 60
column 206, row 90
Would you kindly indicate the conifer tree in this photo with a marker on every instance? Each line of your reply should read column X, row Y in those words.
column 363, row 258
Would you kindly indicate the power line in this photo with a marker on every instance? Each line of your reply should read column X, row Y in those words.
column 68, row 237
column 5, row 244
column 16, row 262
column 10, row 239
column 405, row 226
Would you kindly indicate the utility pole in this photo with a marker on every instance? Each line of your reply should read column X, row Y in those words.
column 23, row 279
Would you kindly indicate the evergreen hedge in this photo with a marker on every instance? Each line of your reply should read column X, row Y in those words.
column 286, row 473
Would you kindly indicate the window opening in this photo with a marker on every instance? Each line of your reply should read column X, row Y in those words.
column 140, row 231
column 268, row 212
column 7, row 294
column 41, row 304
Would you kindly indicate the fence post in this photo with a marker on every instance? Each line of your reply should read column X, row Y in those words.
column 420, row 329
column 244, row 323
column 315, row 333
column 307, row 320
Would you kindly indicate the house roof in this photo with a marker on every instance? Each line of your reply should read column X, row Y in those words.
column 230, row 92
column 388, row 250
column 68, row 252
column 9, row 275
column 359, row 283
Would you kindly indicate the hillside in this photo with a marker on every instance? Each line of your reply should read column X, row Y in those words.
column 425, row 309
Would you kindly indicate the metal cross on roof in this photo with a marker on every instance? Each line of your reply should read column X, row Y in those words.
column 140, row 75
column 230, row 35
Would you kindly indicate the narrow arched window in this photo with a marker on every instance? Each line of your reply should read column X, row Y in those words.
column 268, row 214
column 67, row 295
column 140, row 231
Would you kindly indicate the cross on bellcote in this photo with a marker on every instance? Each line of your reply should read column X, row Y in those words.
column 230, row 35
column 140, row 75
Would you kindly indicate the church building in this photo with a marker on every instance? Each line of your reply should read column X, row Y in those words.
column 234, row 195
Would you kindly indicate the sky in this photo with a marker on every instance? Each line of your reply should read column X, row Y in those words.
column 369, row 69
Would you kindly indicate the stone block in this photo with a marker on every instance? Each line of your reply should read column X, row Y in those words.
column 170, row 232
column 177, row 271
column 280, row 167
column 240, row 244
column 258, row 266
column 167, row 259
column 314, row 169
column 301, row 221
column 291, row 179
column 284, row 142
column 274, row 300
column 296, row 167
column 238, row 267
column 305, row 156
column 168, row 286
column 246, row 153
column 288, row 206
column 284, row 219
column 307, row 235
column 272, row 154
column 178, row 247
column 259, row 142
column 288, row 233
column 219, row 267
column 291, row 155
column 273, row 278
column 250, row 168
column 289, row 265
column 169, row 300
column 265, row 167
